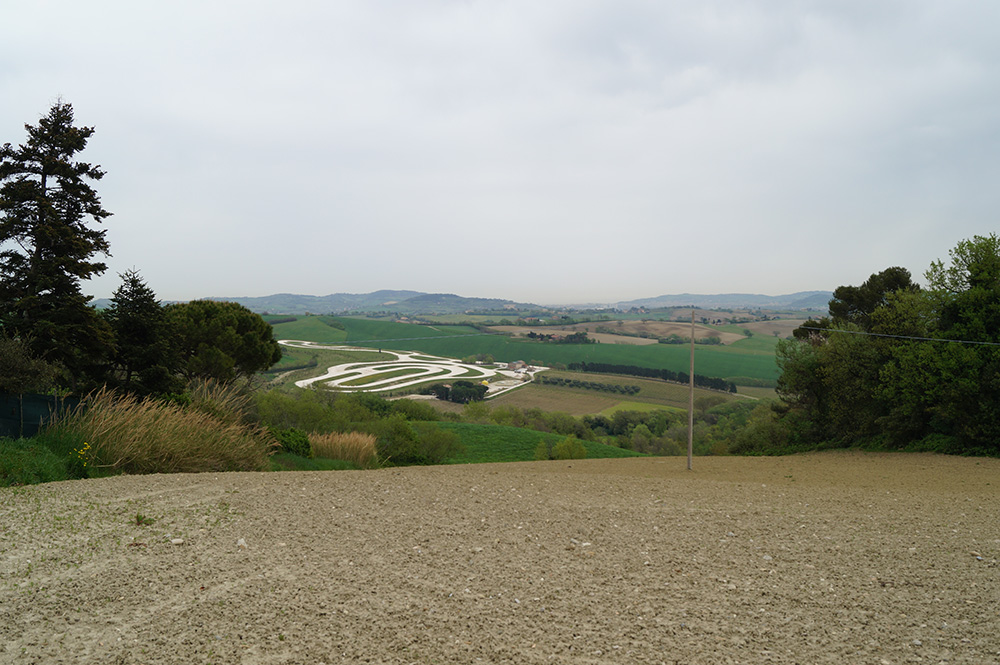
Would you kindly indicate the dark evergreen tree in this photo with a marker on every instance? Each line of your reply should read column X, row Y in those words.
column 47, row 247
column 144, row 356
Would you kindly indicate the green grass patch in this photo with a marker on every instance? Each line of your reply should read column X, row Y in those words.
column 290, row 462
column 312, row 329
column 758, row 392
column 392, row 374
column 29, row 461
column 501, row 443
column 651, row 391
column 576, row 402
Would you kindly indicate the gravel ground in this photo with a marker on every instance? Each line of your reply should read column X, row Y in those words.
column 821, row 558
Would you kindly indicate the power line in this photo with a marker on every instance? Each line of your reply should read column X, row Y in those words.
column 908, row 337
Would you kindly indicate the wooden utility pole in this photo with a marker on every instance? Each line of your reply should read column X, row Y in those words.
column 691, row 400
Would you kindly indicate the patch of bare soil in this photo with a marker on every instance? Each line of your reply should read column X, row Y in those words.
column 823, row 558
column 778, row 328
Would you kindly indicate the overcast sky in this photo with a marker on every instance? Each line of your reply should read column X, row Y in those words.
column 553, row 151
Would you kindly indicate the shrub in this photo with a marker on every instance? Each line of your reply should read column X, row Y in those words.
column 542, row 451
column 355, row 447
column 414, row 410
column 306, row 410
column 130, row 435
column 292, row 440
column 435, row 444
column 401, row 443
column 569, row 448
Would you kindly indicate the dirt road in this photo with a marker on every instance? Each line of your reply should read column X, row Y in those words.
column 824, row 558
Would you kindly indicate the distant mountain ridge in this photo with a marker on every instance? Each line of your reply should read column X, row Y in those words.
column 402, row 302
column 417, row 302
column 801, row 300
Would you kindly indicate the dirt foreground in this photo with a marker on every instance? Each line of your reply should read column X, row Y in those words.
column 822, row 558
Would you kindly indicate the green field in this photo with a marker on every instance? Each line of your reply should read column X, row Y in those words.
column 557, row 399
column 643, row 407
column 500, row 443
column 310, row 329
column 752, row 357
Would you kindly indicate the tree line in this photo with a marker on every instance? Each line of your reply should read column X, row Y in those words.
column 579, row 337
column 588, row 385
column 712, row 383
column 51, row 336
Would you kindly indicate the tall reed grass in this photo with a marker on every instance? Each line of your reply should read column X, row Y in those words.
column 129, row 435
column 355, row 447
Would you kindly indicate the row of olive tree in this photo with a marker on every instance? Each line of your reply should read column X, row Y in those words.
column 897, row 365
column 50, row 332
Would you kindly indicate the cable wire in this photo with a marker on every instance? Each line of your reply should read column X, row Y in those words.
column 909, row 337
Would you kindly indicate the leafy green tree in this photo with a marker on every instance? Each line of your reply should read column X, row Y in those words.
column 47, row 246
column 950, row 391
column 144, row 357
column 223, row 341
column 900, row 386
column 856, row 304
column 833, row 378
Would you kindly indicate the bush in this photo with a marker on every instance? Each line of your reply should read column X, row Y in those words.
column 129, row 435
column 569, row 448
column 306, row 410
column 436, row 444
column 542, row 451
column 764, row 433
column 400, row 443
column 293, row 441
column 355, row 447
column 396, row 440
column 414, row 410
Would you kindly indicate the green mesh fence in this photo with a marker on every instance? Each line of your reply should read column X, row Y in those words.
column 23, row 415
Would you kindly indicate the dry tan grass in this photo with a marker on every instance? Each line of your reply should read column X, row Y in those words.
column 130, row 435
column 356, row 447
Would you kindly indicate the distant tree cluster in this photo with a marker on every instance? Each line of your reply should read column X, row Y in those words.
column 708, row 382
column 460, row 392
column 588, row 385
column 51, row 332
column 711, row 340
column 579, row 337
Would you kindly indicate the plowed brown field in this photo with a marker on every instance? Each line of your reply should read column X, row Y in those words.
column 821, row 558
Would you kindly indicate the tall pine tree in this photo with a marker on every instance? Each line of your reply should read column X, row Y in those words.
column 47, row 246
